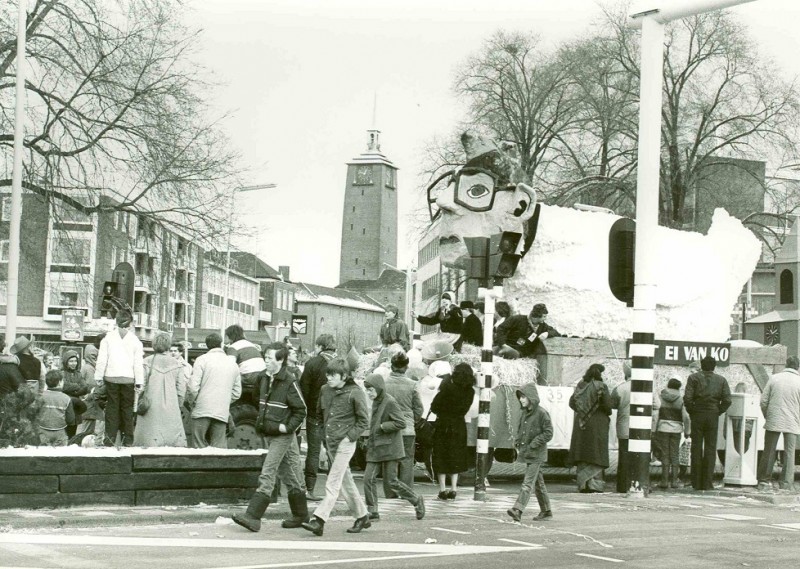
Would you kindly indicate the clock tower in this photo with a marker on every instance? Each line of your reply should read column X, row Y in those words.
column 369, row 220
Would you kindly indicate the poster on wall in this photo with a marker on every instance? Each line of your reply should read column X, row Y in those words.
column 299, row 323
column 72, row 325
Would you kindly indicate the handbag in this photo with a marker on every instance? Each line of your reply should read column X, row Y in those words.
column 143, row 405
column 424, row 430
column 685, row 453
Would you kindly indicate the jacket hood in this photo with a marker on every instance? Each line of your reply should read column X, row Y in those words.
column 90, row 355
column 66, row 357
column 529, row 390
column 9, row 359
column 670, row 395
column 375, row 381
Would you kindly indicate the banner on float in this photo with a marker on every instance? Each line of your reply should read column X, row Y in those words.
column 676, row 353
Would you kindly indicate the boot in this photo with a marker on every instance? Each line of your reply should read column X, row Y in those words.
column 675, row 480
column 515, row 514
column 360, row 523
column 251, row 519
column 419, row 507
column 315, row 525
column 310, row 483
column 299, row 508
column 665, row 475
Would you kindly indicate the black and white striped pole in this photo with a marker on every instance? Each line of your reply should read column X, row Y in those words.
column 651, row 16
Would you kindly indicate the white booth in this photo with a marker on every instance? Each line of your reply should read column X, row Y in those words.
column 742, row 431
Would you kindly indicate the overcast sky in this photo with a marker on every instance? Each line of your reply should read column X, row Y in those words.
column 300, row 75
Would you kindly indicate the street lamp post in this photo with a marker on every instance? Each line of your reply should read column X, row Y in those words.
column 651, row 16
column 228, row 254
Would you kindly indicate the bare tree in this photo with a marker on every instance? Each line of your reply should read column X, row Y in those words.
column 116, row 109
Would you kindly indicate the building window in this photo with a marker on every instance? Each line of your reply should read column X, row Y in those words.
column 65, row 214
column 68, row 291
column 356, row 260
column 7, row 207
column 70, row 254
column 363, row 272
column 351, row 227
column 362, row 192
column 4, row 244
column 364, row 231
column 787, row 287
column 354, row 209
column 3, row 292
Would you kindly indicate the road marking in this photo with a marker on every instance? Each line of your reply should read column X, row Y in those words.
column 534, row 545
column 611, row 559
column 703, row 517
column 453, row 531
column 785, row 527
column 734, row 517
column 305, row 544
column 332, row 561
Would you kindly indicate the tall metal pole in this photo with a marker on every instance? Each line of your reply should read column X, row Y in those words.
column 644, row 301
column 485, row 398
column 16, row 180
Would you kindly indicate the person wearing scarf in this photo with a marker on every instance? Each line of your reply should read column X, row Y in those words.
column 588, row 449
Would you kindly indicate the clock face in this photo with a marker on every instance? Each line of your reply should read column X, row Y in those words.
column 389, row 178
column 364, row 176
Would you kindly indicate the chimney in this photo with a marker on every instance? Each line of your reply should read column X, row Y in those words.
column 284, row 271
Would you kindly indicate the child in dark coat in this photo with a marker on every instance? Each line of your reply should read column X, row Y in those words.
column 534, row 432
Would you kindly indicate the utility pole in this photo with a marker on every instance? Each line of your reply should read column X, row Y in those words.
column 651, row 16
column 16, row 180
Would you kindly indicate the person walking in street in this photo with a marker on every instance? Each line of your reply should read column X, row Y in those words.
column 120, row 367
column 707, row 397
column 780, row 404
column 534, row 432
column 56, row 412
column 32, row 369
column 450, row 454
column 214, row 385
column 394, row 330
column 165, row 388
column 670, row 419
column 344, row 409
column 385, row 448
column 246, row 355
column 281, row 410
column 404, row 391
column 588, row 448
column 620, row 400
column 311, row 381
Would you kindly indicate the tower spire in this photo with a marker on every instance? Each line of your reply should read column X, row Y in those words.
column 375, row 110
column 373, row 134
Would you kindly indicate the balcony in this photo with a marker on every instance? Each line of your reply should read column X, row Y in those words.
column 143, row 320
column 179, row 296
column 145, row 245
column 144, row 282
column 264, row 316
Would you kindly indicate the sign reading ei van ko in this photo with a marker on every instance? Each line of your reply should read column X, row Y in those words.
column 669, row 352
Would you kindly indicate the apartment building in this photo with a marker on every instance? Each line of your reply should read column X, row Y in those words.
column 276, row 292
column 242, row 293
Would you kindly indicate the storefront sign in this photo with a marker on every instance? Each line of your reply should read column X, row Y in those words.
column 299, row 323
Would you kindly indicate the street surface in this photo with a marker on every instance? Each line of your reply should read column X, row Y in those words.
column 692, row 530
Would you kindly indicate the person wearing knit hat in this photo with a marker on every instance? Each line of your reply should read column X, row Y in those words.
column 385, row 448
column 448, row 317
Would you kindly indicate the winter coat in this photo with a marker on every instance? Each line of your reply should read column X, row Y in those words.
column 404, row 391
column 74, row 384
column 780, row 402
column 386, row 427
column 669, row 413
column 428, row 387
column 162, row 425
column 89, row 363
column 56, row 412
column 590, row 444
column 10, row 376
column 283, row 405
column 215, row 384
column 707, row 392
column 344, row 412
column 32, row 369
column 312, row 380
column 395, row 331
column 535, row 428
column 620, row 400
column 450, row 321
column 450, row 454
column 472, row 331
column 515, row 331
column 120, row 359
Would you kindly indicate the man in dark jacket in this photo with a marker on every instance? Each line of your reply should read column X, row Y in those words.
column 404, row 391
column 311, row 382
column 394, row 330
column 31, row 367
column 472, row 332
column 448, row 317
column 281, row 412
column 521, row 336
column 707, row 397
column 75, row 386
column 10, row 376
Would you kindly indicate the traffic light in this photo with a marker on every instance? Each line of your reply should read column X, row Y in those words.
column 478, row 248
column 621, row 259
column 110, row 292
column 503, row 258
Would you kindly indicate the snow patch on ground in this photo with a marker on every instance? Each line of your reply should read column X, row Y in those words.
column 75, row 450
column 698, row 277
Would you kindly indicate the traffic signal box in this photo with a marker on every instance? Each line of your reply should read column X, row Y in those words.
column 110, row 292
column 621, row 259
column 493, row 257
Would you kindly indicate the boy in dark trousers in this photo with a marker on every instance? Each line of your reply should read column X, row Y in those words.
column 671, row 419
column 534, row 432
column 56, row 411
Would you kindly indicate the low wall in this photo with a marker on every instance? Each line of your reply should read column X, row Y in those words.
column 51, row 477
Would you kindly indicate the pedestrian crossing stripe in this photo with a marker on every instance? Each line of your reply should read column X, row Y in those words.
column 734, row 517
